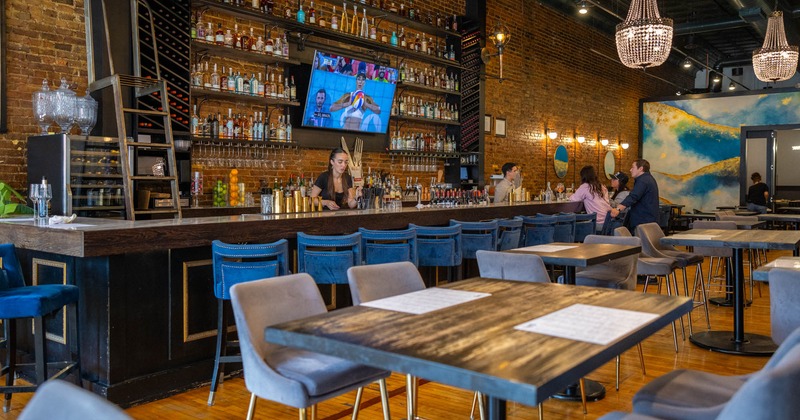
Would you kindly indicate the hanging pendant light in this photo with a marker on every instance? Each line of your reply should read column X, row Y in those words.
column 644, row 39
column 776, row 60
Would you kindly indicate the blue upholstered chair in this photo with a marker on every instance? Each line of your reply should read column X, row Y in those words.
column 565, row 227
column 439, row 246
column 512, row 266
column 538, row 230
column 327, row 258
column 770, row 393
column 612, row 223
column 18, row 301
column 477, row 236
column 57, row 399
column 585, row 224
column 235, row 264
column 373, row 282
column 509, row 233
column 385, row 246
column 784, row 301
column 297, row 378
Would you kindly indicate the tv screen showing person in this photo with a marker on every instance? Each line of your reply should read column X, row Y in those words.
column 349, row 94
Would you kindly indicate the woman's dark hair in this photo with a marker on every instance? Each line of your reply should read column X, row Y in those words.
column 621, row 186
column 589, row 176
column 345, row 180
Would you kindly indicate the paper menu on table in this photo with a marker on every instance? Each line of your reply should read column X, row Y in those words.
column 425, row 301
column 546, row 248
column 785, row 262
column 592, row 324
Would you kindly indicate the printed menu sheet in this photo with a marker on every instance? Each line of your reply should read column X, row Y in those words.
column 692, row 236
column 785, row 262
column 425, row 301
column 546, row 248
column 592, row 324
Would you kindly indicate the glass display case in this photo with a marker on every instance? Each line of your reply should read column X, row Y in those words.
column 85, row 173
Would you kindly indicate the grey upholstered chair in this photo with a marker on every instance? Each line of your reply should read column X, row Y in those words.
column 615, row 274
column 58, row 399
column 719, row 254
column 653, row 233
column 784, row 301
column 297, row 378
column 512, row 266
column 767, row 394
column 378, row 281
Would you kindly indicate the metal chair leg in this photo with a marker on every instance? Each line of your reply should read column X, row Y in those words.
column 222, row 329
column 251, row 409
column 384, row 400
column 541, row 411
column 583, row 394
column 481, row 406
column 641, row 358
column 410, row 414
column 357, row 403
column 616, row 368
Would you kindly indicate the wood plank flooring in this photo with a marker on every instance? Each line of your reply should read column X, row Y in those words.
column 437, row 401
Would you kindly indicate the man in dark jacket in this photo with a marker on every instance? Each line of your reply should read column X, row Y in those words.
column 642, row 202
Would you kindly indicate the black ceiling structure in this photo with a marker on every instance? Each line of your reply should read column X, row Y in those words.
column 711, row 33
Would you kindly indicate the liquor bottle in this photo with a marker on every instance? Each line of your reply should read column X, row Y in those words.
column 259, row 45
column 194, row 26
column 210, row 37
column 270, row 7
column 195, row 121
column 255, row 4
column 201, row 28
column 292, row 90
column 279, row 89
column 269, row 46
column 402, row 8
column 246, row 40
column 548, row 193
column 285, row 46
column 215, row 80
column 278, row 50
column 345, row 19
column 245, row 85
column 417, row 44
column 260, row 88
column 354, row 21
column 373, row 30
column 287, row 90
column 384, row 37
column 254, row 83
column 288, row 128
column 424, row 45
column 273, row 90
column 219, row 37
column 301, row 185
column 364, row 30
column 393, row 8
column 280, row 133
column 206, row 76
column 301, row 15
column 334, row 20
column 312, row 14
column 287, row 11
column 322, row 22
column 394, row 38
column 231, row 85
column 411, row 12
column 402, row 37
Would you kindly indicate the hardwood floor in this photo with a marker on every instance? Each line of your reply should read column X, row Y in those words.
column 437, row 401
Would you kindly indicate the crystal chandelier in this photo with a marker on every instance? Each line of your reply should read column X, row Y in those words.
column 644, row 39
column 776, row 60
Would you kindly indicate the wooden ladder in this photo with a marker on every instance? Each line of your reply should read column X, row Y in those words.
column 126, row 89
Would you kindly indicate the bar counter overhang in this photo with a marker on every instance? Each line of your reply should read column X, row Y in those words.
column 147, row 309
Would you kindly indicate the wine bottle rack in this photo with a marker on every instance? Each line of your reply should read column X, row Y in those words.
column 470, row 91
column 172, row 23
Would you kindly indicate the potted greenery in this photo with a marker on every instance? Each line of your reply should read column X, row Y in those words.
column 11, row 202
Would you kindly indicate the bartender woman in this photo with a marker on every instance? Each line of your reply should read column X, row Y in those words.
column 335, row 185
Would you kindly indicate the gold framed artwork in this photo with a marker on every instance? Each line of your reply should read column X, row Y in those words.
column 500, row 127
column 487, row 124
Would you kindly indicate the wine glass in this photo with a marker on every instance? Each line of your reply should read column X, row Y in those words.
column 33, row 193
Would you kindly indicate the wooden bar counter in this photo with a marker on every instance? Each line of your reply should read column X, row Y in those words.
column 147, row 308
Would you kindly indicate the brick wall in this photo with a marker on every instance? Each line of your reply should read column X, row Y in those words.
column 554, row 79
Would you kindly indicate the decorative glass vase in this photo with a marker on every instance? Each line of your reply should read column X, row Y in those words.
column 64, row 106
column 43, row 107
column 85, row 113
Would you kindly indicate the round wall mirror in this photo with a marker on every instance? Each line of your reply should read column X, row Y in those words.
column 610, row 164
column 561, row 161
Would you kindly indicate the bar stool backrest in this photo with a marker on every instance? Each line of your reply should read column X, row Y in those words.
column 565, row 227
column 386, row 246
column 585, row 224
column 235, row 263
column 439, row 246
column 378, row 281
column 538, row 230
column 509, row 234
column 327, row 258
column 10, row 271
column 512, row 266
column 710, row 251
column 476, row 236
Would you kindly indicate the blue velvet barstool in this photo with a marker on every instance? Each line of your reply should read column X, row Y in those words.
column 538, row 230
column 327, row 258
column 387, row 246
column 439, row 246
column 509, row 233
column 234, row 264
column 476, row 236
column 565, row 227
column 18, row 301
column 585, row 224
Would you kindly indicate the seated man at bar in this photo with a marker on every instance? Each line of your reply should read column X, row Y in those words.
column 334, row 186
column 757, row 194
column 511, row 180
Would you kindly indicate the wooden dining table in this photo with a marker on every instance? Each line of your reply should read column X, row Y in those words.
column 782, row 218
column 476, row 346
column 736, row 341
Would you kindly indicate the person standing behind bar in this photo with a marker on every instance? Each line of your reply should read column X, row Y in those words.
column 619, row 181
column 643, row 199
column 593, row 194
column 334, row 185
column 757, row 194
column 510, row 181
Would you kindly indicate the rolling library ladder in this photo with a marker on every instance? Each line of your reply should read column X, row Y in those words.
column 126, row 89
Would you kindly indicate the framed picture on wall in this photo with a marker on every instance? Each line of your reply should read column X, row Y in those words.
column 500, row 127
column 487, row 124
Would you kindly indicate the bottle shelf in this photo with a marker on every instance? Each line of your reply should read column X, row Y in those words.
column 418, row 153
column 223, row 140
column 250, row 13
column 238, row 54
column 240, row 97
column 416, row 87
column 425, row 120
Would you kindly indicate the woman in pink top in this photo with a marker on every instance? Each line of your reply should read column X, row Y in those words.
column 593, row 194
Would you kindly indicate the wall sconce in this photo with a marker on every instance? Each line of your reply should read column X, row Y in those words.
column 687, row 63
column 716, row 78
column 553, row 134
column 625, row 145
column 604, row 142
column 731, row 86
column 584, row 9
column 499, row 36
column 581, row 138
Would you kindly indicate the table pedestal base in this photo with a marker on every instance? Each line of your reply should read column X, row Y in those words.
column 722, row 341
column 594, row 392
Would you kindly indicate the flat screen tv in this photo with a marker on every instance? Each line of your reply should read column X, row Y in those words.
column 349, row 94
